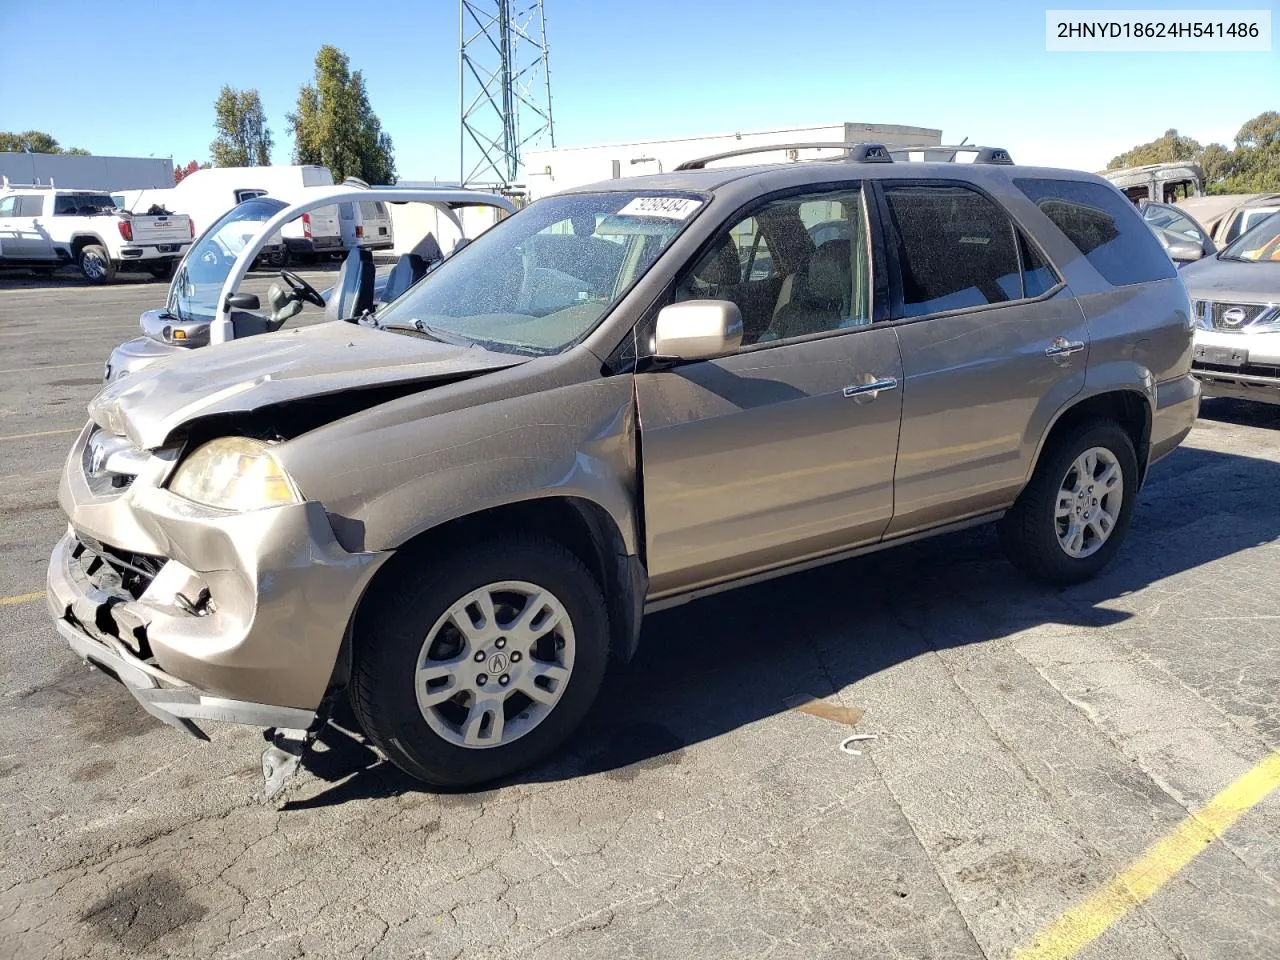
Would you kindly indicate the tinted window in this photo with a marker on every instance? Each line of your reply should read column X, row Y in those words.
column 955, row 249
column 786, row 283
column 30, row 206
column 81, row 204
column 1105, row 228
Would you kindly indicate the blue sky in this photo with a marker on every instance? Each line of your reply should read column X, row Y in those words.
column 623, row 71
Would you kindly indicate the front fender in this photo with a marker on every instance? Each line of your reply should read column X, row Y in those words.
column 384, row 486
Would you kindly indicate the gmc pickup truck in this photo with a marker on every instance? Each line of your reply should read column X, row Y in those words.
column 45, row 228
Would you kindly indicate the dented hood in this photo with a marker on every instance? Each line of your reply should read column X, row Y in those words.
column 260, row 371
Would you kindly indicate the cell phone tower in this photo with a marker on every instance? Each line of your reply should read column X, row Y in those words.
column 504, row 87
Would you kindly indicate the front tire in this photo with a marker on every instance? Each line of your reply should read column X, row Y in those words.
column 1070, row 520
column 482, row 663
column 95, row 264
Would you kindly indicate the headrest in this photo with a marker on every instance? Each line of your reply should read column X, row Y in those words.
column 723, row 268
column 830, row 270
column 428, row 248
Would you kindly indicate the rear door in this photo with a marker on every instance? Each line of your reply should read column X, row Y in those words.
column 785, row 449
column 993, row 345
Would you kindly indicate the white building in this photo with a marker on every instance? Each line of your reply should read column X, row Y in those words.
column 553, row 169
column 89, row 173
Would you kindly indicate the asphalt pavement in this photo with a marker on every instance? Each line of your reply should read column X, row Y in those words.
column 1082, row 772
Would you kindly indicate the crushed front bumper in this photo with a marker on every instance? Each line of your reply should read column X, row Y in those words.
column 204, row 614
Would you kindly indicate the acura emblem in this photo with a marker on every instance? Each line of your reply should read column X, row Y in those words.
column 1233, row 317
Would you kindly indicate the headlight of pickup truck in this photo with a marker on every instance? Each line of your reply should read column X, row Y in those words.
column 234, row 473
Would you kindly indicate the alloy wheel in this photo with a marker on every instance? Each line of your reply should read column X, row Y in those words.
column 1089, row 501
column 495, row 664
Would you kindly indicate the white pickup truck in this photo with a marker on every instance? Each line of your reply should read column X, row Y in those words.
column 44, row 228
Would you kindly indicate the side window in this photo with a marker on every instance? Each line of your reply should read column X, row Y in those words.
column 1108, row 231
column 956, row 248
column 7, row 206
column 1037, row 276
column 1170, row 219
column 243, row 195
column 794, row 267
column 30, row 206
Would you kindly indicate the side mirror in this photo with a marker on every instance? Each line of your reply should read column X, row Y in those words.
column 697, row 329
column 244, row 301
column 1185, row 250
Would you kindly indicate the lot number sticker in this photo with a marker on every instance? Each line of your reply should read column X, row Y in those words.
column 669, row 208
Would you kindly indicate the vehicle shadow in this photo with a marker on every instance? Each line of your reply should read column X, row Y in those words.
column 722, row 663
column 1242, row 412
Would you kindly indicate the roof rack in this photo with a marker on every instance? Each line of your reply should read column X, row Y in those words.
column 983, row 154
column 854, row 153
column 7, row 184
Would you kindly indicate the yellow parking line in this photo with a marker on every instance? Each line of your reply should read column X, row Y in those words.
column 1085, row 923
column 20, row 598
column 42, row 433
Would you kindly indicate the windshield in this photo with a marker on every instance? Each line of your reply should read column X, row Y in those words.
column 539, row 281
column 193, row 295
column 1260, row 243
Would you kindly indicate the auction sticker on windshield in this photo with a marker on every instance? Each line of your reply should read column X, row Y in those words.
column 669, row 208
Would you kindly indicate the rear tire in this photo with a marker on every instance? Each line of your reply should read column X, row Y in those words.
column 1070, row 520
column 428, row 634
column 95, row 264
column 162, row 271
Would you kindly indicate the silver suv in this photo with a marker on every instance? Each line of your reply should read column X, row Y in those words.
column 622, row 398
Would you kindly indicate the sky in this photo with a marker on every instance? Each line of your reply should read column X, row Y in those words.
column 624, row 71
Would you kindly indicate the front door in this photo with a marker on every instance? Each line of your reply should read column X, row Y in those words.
column 993, row 345
column 785, row 449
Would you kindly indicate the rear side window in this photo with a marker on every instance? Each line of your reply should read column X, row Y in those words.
column 369, row 210
column 956, row 248
column 1103, row 226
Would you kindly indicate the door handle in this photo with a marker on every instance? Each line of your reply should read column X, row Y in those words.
column 1062, row 347
column 873, row 388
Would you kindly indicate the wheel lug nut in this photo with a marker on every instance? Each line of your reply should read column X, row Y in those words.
column 479, row 656
column 500, row 642
column 516, row 657
column 504, row 679
column 481, row 680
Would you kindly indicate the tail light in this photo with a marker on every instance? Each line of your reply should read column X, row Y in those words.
column 126, row 229
column 191, row 228
column 306, row 225
column 359, row 231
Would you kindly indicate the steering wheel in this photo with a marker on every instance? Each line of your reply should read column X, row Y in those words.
column 303, row 290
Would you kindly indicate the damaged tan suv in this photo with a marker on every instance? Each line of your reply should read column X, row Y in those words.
column 624, row 397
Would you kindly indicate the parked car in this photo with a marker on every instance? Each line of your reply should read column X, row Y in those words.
column 366, row 223
column 458, row 513
column 1227, row 216
column 220, row 259
column 205, row 195
column 1236, row 299
column 44, row 228
column 1159, row 182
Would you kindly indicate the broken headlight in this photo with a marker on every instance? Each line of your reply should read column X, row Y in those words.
column 234, row 473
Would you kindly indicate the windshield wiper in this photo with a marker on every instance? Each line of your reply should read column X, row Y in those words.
column 1236, row 259
column 423, row 329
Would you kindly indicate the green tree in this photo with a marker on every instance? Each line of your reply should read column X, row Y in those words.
column 335, row 126
column 243, row 137
column 1165, row 149
column 35, row 141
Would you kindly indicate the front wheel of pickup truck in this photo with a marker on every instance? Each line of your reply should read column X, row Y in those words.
column 472, row 665
column 95, row 264
column 1071, row 518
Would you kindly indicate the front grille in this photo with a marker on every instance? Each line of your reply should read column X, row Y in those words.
column 1234, row 316
column 110, row 463
column 114, row 571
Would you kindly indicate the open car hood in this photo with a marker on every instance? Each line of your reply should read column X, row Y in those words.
column 246, row 375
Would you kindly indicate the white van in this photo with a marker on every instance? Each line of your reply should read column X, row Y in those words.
column 205, row 195
column 366, row 223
